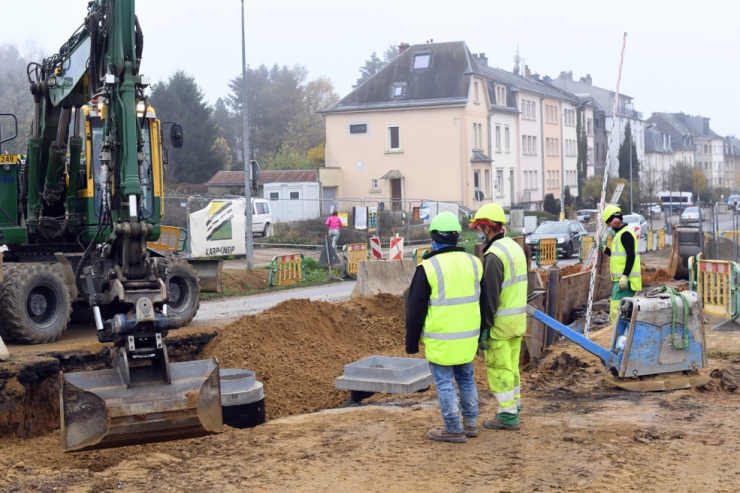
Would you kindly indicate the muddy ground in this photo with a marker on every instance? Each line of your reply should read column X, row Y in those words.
column 578, row 432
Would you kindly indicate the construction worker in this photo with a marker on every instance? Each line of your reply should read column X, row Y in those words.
column 624, row 262
column 442, row 312
column 503, row 307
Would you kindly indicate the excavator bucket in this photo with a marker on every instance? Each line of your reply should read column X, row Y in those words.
column 209, row 274
column 113, row 408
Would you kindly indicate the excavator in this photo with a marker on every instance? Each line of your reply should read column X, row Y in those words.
column 76, row 213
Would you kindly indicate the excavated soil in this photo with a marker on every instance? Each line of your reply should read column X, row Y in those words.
column 578, row 432
column 244, row 280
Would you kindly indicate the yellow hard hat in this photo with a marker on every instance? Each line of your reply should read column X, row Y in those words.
column 487, row 214
column 609, row 211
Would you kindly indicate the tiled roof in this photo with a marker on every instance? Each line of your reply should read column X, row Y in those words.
column 236, row 178
column 446, row 81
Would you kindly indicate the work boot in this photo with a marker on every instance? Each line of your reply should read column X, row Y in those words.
column 446, row 436
column 469, row 428
column 496, row 424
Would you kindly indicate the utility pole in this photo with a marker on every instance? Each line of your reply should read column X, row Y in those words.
column 247, row 175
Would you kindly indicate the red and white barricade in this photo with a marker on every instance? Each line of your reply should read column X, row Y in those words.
column 396, row 248
column 375, row 248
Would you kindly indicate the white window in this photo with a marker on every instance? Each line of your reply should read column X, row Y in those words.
column 499, row 182
column 422, row 61
column 374, row 184
column 498, row 138
column 394, row 138
column 397, row 91
column 501, row 95
column 507, row 147
column 475, row 93
column 487, row 174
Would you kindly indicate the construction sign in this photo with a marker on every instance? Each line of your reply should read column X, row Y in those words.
column 218, row 229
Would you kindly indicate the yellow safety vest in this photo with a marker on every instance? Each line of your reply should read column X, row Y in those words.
column 452, row 325
column 511, row 318
column 618, row 260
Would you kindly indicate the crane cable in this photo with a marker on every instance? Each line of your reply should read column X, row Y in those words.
column 600, row 226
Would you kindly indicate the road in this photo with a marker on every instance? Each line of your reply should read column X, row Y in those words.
column 233, row 308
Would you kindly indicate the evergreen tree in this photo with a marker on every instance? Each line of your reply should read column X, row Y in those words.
column 624, row 157
column 180, row 100
column 550, row 204
column 375, row 64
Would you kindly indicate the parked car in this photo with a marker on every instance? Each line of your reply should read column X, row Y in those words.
column 652, row 209
column 692, row 215
column 637, row 222
column 732, row 200
column 587, row 215
column 261, row 216
column 567, row 233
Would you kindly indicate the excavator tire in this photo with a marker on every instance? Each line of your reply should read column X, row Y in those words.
column 4, row 332
column 183, row 290
column 36, row 304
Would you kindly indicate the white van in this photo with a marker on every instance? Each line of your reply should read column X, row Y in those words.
column 261, row 217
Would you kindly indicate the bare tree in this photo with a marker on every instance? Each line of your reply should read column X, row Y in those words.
column 651, row 181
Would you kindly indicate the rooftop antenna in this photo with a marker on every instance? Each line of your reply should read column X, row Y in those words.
column 516, row 61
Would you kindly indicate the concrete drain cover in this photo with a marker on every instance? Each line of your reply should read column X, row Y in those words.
column 386, row 374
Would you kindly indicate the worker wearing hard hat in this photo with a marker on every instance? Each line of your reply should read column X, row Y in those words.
column 503, row 313
column 624, row 263
column 442, row 312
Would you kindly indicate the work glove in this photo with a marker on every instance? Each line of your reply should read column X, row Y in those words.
column 623, row 282
column 482, row 339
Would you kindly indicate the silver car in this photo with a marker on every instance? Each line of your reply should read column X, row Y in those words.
column 692, row 215
column 638, row 224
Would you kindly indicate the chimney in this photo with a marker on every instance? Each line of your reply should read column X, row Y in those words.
column 403, row 47
column 536, row 77
column 566, row 75
column 482, row 60
column 527, row 72
column 546, row 79
column 586, row 80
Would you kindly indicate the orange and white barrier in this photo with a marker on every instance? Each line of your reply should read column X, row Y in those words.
column 375, row 248
column 396, row 248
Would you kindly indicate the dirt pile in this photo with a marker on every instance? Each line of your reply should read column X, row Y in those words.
column 723, row 380
column 298, row 347
column 243, row 280
column 650, row 275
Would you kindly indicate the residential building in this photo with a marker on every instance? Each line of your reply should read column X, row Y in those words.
column 626, row 114
column 503, row 124
column 419, row 128
column 681, row 138
column 732, row 158
column 658, row 162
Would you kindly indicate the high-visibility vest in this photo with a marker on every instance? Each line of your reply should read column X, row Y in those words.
column 452, row 325
column 510, row 320
column 618, row 260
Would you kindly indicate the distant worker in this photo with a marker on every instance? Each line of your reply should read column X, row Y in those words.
column 503, row 306
column 442, row 311
column 624, row 263
column 335, row 224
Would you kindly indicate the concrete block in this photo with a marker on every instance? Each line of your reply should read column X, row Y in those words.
column 386, row 374
column 383, row 276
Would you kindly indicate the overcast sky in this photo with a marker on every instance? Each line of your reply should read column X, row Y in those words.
column 681, row 55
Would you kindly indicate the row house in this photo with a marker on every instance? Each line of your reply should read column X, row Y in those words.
column 604, row 99
column 438, row 123
column 655, row 170
column 732, row 159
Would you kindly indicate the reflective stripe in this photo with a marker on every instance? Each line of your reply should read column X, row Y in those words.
column 507, row 410
column 517, row 390
column 504, row 396
column 511, row 311
column 620, row 274
column 442, row 299
column 451, row 336
column 515, row 280
column 619, row 254
column 508, row 256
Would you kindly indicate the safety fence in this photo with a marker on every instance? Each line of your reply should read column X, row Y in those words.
column 353, row 254
column 287, row 269
column 171, row 239
column 547, row 252
column 716, row 283
column 418, row 254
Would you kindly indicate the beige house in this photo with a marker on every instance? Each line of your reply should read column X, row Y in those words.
column 418, row 129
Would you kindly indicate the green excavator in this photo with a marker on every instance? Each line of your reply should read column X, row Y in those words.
column 76, row 213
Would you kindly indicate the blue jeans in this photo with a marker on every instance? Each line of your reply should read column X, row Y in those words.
column 447, row 396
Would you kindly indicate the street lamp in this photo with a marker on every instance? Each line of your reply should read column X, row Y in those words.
column 632, row 137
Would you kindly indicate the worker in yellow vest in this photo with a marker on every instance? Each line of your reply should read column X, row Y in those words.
column 624, row 262
column 442, row 312
column 503, row 307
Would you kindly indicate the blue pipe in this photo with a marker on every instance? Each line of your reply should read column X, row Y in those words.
column 607, row 357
